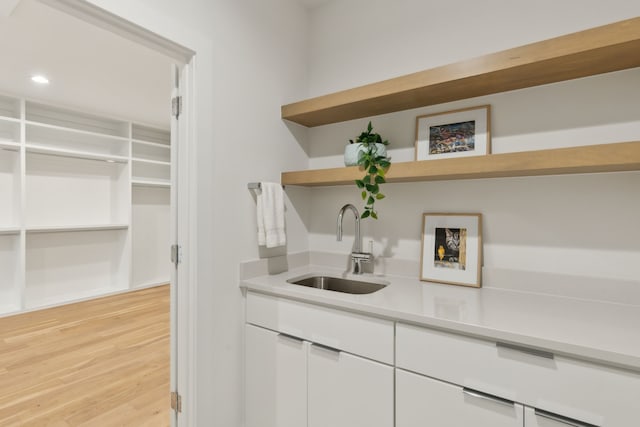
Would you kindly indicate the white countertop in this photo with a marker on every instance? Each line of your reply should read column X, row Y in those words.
column 597, row 331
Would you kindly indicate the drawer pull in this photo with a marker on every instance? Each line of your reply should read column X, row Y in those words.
column 290, row 337
column 562, row 419
column 480, row 395
column 531, row 351
column 326, row 348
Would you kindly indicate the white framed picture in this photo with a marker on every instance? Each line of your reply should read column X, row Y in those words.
column 451, row 248
column 458, row 133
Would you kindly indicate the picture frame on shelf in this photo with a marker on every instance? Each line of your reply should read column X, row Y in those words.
column 457, row 133
column 452, row 248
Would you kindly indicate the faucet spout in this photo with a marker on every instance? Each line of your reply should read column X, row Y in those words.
column 357, row 256
column 357, row 218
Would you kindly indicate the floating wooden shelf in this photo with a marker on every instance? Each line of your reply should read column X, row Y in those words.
column 598, row 50
column 618, row 157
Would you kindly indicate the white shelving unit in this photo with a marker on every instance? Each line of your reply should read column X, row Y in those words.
column 85, row 205
column 150, row 211
column 65, row 266
column 151, row 181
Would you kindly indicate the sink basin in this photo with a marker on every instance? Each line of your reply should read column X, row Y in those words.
column 337, row 284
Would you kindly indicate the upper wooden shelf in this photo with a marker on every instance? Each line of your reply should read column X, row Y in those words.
column 618, row 157
column 598, row 50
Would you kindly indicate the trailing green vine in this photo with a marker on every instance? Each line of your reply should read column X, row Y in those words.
column 375, row 165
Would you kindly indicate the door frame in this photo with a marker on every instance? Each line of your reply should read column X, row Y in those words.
column 184, row 313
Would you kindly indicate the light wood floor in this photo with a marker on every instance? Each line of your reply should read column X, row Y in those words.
column 101, row 363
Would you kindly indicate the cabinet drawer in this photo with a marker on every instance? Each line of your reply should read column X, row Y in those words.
column 353, row 333
column 423, row 401
column 592, row 393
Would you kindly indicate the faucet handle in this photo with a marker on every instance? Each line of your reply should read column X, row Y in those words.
column 358, row 258
column 362, row 256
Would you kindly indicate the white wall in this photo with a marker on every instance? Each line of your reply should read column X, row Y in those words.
column 583, row 225
column 251, row 56
column 354, row 42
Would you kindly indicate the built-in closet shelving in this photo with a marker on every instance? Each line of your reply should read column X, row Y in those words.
column 595, row 51
column 151, row 156
column 73, row 222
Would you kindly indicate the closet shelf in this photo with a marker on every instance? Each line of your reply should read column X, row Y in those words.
column 84, row 227
column 595, row 51
column 9, row 119
column 151, row 162
column 41, row 149
column 8, row 145
column 616, row 157
column 9, row 230
column 76, row 131
column 151, row 144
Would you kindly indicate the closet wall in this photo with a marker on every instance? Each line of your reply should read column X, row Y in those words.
column 85, row 209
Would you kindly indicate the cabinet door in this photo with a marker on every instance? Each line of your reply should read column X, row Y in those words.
column 276, row 379
column 538, row 418
column 422, row 401
column 348, row 391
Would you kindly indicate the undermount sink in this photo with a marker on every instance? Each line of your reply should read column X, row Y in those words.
column 337, row 284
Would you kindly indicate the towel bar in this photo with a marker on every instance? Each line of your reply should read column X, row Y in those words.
column 256, row 186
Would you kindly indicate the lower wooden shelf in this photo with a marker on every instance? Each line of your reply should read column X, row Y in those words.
column 616, row 157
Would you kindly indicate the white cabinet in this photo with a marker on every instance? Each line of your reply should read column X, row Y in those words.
column 342, row 387
column 325, row 367
column 276, row 379
column 592, row 393
column 71, row 226
column 423, row 401
column 348, row 391
column 356, row 334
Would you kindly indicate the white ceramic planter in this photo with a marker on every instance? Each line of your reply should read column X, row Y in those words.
column 352, row 153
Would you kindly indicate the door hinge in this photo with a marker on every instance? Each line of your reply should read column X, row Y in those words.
column 176, row 401
column 176, row 255
column 176, row 106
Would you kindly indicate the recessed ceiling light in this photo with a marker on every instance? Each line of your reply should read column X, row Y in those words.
column 40, row 79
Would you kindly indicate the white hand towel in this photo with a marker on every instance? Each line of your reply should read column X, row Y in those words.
column 270, row 215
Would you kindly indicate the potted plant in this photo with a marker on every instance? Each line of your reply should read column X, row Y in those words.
column 371, row 155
